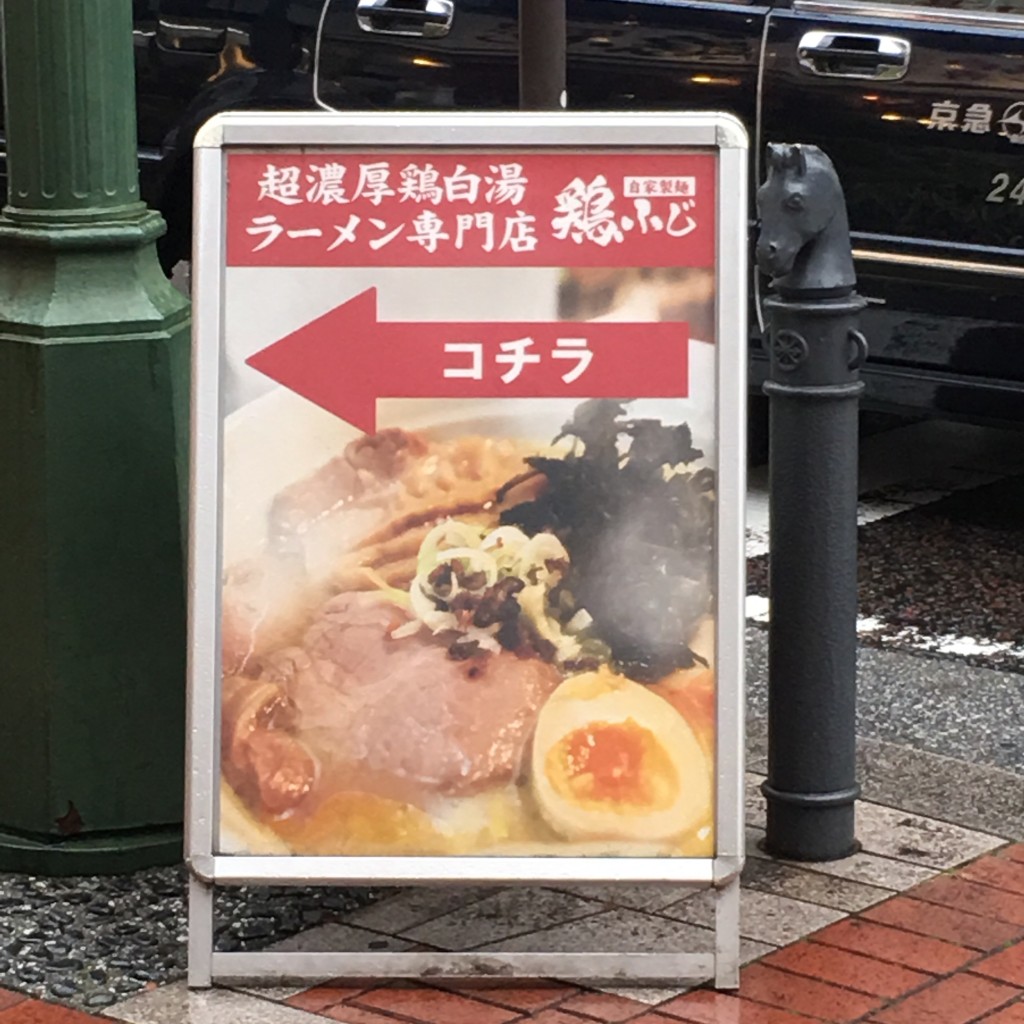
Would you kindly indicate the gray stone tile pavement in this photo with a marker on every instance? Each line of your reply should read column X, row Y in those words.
column 631, row 896
column 764, row 917
column 343, row 938
column 904, row 836
column 411, row 907
column 868, row 868
column 781, row 902
column 508, row 913
column 278, row 993
column 972, row 795
column 628, row 931
column 775, row 877
column 174, row 1004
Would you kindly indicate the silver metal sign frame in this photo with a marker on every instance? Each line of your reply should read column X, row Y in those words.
column 718, row 133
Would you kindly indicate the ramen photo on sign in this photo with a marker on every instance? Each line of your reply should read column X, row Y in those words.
column 488, row 625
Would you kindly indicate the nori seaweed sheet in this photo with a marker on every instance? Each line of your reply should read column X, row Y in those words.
column 640, row 539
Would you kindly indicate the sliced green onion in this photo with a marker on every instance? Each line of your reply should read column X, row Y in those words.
column 505, row 543
column 450, row 533
column 426, row 610
column 534, row 557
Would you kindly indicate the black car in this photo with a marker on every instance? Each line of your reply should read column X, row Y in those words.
column 920, row 107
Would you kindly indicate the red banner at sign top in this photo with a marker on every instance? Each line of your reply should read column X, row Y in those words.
column 445, row 209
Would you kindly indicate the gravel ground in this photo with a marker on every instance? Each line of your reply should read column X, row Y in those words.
column 90, row 941
column 946, row 576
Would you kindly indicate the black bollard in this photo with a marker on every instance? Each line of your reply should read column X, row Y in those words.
column 813, row 388
column 542, row 37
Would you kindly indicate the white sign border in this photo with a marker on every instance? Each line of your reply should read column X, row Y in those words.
column 370, row 131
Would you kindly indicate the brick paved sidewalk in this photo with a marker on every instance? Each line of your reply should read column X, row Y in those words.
column 949, row 950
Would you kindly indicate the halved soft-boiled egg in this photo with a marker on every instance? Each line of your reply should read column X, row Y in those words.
column 611, row 760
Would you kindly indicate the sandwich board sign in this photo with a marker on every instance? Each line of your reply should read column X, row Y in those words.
column 467, row 552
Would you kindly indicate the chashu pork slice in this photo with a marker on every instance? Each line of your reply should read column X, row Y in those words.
column 403, row 708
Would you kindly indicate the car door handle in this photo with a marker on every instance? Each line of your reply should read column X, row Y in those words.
column 190, row 36
column 854, row 55
column 430, row 18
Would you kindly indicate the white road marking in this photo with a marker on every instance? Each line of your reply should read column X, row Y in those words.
column 759, row 611
column 959, row 646
column 757, row 608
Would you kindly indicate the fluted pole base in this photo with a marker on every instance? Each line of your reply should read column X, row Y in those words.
column 94, row 351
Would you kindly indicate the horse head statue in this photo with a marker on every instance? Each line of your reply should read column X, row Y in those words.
column 804, row 243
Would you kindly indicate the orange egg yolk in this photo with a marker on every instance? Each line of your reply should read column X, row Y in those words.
column 613, row 763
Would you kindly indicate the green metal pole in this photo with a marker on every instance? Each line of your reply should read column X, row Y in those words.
column 93, row 412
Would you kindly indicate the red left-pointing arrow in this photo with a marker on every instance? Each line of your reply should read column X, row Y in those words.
column 346, row 359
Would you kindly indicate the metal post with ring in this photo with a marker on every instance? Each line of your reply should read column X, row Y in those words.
column 815, row 352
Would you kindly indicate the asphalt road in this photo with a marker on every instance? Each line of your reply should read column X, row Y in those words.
column 941, row 592
column 941, row 538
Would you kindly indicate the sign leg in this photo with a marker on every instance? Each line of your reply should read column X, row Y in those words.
column 727, row 936
column 200, row 934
